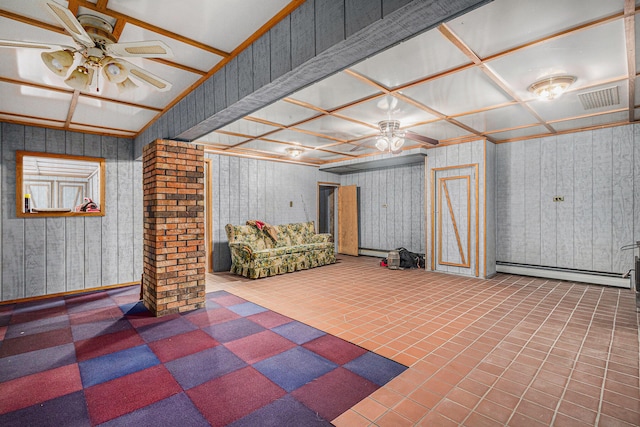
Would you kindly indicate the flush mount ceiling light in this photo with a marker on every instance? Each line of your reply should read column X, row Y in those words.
column 551, row 87
column 294, row 151
column 391, row 137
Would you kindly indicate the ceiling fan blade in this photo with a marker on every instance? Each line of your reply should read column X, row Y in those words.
column 142, row 49
column 420, row 138
column 145, row 76
column 69, row 23
column 33, row 45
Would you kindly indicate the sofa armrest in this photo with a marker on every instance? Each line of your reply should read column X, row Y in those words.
column 241, row 250
column 321, row 238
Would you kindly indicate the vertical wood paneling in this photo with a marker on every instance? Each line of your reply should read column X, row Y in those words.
column 125, row 213
column 329, row 23
column 303, row 37
column 490, row 217
column 231, row 81
column 245, row 72
column 110, row 220
column 547, row 205
column 389, row 6
column 261, row 62
column 74, row 228
column 360, row 13
column 280, row 36
column 503, row 191
column 602, row 200
column 55, row 240
column 517, row 197
column 583, row 201
column 220, row 91
column 13, row 277
column 34, row 229
column 622, row 197
column 209, row 99
column 138, row 226
column 93, row 226
column 532, row 197
column 564, row 210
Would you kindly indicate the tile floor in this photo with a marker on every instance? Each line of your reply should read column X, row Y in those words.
column 511, row 350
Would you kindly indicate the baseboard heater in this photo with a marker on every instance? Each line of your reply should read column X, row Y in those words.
column 572, row 275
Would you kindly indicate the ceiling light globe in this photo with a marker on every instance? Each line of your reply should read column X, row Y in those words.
column 79, row 79
column 58, row 62
column 114, row 71
column 382, row 144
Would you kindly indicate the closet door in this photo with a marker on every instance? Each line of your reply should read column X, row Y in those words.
column 348, row 220
column 455, row 243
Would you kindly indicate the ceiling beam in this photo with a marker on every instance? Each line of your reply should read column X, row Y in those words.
column 72, row 108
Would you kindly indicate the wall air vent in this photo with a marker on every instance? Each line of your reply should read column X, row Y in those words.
column 600, row 98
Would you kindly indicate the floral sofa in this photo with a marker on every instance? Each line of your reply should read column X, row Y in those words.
column 255, row 253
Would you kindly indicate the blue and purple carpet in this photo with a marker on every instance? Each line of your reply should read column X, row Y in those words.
column 101, row 359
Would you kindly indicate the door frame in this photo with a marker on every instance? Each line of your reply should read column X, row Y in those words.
column 434, row 187
column 333, row 226
column 208, row 214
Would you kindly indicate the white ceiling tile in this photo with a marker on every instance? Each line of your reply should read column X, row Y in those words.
column 221, row 24
column 465, row 91
column 336, row 128
column 387, row 108
column 440, row 130
column 499, row 118
column 422, row 56
column 110, row 115
column 586, row 122
column 505, row 24
column 592, row 56
column 335, row 91
column 284, row 113
column 301, row 138
column 30, row 101
column 248, row 127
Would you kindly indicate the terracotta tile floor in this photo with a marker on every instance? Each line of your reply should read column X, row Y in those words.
column 512, row 350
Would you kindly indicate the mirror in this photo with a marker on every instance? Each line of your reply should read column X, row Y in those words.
column 59, row 185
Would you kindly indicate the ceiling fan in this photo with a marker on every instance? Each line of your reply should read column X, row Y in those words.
column 392, row 138
column 97, row 51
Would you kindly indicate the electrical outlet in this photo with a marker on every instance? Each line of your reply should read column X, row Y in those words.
column 558, row 199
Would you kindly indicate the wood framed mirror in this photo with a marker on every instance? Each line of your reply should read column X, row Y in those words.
column 59, row 185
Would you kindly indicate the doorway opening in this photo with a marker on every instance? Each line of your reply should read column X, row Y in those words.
column 327, row 203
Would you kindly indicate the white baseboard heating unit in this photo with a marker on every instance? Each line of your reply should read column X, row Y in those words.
column 594, row 277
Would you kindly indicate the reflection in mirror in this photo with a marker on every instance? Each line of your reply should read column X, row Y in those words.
column 54, row 184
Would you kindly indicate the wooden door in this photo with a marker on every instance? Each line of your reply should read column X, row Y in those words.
column 455, row 220
column 348, row 220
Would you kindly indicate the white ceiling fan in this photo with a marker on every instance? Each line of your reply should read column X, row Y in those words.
column 96, row 51
column 392, row 138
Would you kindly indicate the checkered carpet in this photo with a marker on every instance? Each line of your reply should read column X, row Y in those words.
column 102, row 359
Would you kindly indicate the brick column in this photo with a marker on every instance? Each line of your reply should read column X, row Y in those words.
column 174, row 254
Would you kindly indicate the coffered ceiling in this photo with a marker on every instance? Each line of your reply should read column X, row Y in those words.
column 466, row 78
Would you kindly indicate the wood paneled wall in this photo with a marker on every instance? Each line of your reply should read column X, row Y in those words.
column 48, row 255
column 391, row 207
column 595, row 172
column 273, row 192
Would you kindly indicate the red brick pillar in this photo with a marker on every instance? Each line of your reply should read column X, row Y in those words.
column 174, row 254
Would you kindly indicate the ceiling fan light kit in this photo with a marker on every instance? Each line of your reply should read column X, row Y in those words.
column 391, row 137
column 551, row 88
column 97, row 50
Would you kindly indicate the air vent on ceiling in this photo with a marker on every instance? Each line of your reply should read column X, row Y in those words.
column 600, row 98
